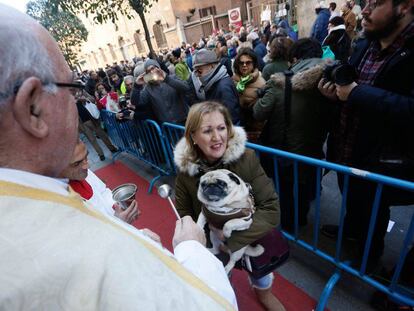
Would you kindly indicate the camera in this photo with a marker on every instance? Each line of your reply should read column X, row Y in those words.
column 122, row 102
column 340, row 73
column 126, row 113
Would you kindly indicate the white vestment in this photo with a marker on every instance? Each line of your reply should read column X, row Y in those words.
column 102, row 196
column 58, row 254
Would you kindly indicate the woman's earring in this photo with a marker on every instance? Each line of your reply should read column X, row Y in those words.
column 194, row 143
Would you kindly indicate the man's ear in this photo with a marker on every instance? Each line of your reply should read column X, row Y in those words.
column 28, row 109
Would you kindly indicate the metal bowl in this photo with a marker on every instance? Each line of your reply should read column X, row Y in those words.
column 124, row 194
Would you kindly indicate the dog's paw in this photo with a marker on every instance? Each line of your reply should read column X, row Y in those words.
column 254, row 251
column 238, row 224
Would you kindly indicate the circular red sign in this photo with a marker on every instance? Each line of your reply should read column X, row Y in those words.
column 234, row 15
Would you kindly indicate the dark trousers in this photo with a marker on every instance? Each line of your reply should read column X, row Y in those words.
column 306, row 191
column 360, row 199
column 90, row 129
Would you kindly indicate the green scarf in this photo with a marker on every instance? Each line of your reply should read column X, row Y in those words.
column 241, row 85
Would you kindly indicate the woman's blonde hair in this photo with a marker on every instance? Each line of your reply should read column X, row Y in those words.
column 194, row 119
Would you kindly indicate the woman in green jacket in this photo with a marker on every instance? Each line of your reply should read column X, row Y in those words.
column 212, row 142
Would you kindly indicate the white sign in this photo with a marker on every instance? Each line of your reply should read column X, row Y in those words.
column 265, row 15
column 234, row 15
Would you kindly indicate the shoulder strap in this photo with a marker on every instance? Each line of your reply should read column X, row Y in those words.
column 287, row 102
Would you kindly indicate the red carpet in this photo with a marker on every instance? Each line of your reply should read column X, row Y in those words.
column 158, row 216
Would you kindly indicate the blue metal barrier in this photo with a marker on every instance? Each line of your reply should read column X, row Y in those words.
column 142, row 139
column 174, row 132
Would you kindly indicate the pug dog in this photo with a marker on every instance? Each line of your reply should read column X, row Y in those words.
column 227, row 205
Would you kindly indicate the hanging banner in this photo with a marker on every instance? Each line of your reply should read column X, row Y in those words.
column 235, row 18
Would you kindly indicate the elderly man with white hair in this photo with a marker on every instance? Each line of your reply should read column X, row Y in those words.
column 56, row 253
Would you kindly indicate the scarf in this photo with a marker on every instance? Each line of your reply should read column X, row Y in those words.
column 241, row 85
column 203, row 84
column 82, row 187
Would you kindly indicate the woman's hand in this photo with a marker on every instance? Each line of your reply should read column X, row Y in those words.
column 217, row 232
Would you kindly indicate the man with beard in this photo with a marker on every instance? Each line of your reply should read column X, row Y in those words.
column 376, row 117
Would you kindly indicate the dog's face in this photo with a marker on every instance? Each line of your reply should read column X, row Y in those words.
column 221, row 189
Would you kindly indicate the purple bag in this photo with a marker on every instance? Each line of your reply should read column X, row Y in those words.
column 275, row 254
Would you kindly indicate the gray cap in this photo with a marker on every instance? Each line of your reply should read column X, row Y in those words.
column 151, row 62
column 139, row 68
column 204, row 57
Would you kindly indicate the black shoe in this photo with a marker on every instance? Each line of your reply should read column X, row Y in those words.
column 114, row 150
column 331, row 231
column 102, row 157
column 380, row 301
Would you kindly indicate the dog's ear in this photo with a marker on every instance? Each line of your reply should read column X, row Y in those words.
column 234, row 178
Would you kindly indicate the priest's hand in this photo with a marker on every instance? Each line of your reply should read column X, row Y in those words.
column 152, row 235
column 130, row 214
column 186, row 229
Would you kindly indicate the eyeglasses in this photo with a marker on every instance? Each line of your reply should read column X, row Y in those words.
column 74, row 88
column 248, row 63
column 372, row 4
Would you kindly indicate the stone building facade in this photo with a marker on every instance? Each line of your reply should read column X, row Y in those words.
column 172, row 21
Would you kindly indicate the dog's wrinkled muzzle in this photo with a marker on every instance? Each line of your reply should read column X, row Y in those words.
column 215, row 191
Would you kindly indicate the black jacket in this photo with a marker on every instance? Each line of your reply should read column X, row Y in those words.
column 340, row 44
column 384, row 140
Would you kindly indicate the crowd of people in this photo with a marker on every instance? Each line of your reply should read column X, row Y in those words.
column 261, row 84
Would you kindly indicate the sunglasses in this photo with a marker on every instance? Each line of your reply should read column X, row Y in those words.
column 248, row 63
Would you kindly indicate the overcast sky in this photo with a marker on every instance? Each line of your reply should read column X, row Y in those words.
column 18, row 4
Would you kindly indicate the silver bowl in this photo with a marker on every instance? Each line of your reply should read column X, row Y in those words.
column 124, row 195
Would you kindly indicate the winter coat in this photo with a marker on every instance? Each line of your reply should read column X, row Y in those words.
column 310, row 112
column 260, row 51
column 247, row 100
column 242, row 162
column 226, row 62
column 350, row 23
column 274, row 67
column 386, row 114
column 340, row 44
column 181, row 71
column 166, row 101
column 223, row 91
column 320, row 26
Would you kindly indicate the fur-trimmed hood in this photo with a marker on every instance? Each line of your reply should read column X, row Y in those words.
column 307, row 74
column 235, row 149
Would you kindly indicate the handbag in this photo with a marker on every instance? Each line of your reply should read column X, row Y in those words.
column 327, row 52
column 93, row 110
column 276, row 252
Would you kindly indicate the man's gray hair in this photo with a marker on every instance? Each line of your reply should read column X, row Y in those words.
column 129, row 78
column 21, row 56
